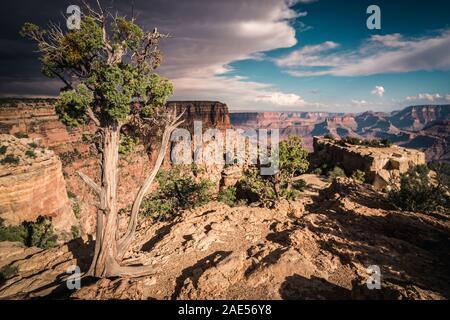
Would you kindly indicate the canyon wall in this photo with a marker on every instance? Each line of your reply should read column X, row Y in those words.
column 32, row 185
column 421, row 127
column 212, row 114
column 36, row 119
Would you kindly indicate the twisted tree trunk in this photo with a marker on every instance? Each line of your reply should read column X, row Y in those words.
column 109, row 247
column 107, row 218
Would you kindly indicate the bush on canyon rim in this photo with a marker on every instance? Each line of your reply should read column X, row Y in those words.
column 418, row 193
column 336, row 172
column 267, row 190
column 358, row 176
column 32, row 234
column 227, row 196
column 177, row 191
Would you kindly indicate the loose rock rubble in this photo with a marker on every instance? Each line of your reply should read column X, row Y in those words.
column 218, row 252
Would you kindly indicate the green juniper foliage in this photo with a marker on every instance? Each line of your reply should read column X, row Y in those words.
column 3, row 150
column 358, row 176
column 7, row 272
column 336, row 172
column 102, row 80
column 127, row 144
column 177, row 191
column 227, row 196
column 10, row 159
column 293, row 158
column 267, row 190
column 30, row 153
column 418, row 193
column 21, row 135
column 33, row 234
column 383, row 143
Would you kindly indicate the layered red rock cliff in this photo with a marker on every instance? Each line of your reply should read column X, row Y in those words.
column 36, row 118
column 32, row 185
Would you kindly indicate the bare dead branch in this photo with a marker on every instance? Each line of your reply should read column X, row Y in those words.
column 95, row 187
column 125, row 241
column 92, row 116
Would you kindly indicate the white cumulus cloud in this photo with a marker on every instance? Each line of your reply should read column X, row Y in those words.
column 281, row 99
column 431, row 97
column 380, row 54
column 378, row 91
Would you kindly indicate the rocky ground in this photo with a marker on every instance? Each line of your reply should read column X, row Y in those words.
column 318, row 247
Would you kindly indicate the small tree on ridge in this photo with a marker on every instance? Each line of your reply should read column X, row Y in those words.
column 107, row 67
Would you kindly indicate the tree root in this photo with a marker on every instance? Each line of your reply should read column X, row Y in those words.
column 114, row 269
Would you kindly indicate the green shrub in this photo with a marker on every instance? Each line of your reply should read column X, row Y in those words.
column 127, row 144
column 336, row 172
column 69, row 156
column 7, row 272
column 86, row 137
column 30, row 153
column 293, row 158
column 383, row 143
column 71, row 195
column 386, row 143
column 323, row 169
column 13, row 233
column 33, row 145
column 75, row 232
column 227, row 196
column 417, row 193
column 267, row 190
column 38, row 234
column 76, row 209
column 359, row 176
column 3, row 150
column 442, row 170
column 254, row 188
column 177, row 191
column 10, row 159
column 299, row 185
column 329, row 136
column 21, row 135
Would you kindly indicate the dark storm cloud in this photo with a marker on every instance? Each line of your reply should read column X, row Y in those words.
column 206, row 36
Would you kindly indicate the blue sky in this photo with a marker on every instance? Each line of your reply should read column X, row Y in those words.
column 344, row 23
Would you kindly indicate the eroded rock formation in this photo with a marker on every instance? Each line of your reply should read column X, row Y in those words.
column 382, row 166
column 32, row 185
column 36, row 119
column 316, row 248
column 421, row 127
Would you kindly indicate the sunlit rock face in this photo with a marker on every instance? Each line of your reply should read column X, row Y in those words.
column 382, row 166
column 32, row 185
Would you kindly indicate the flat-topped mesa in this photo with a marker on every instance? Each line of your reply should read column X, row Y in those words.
column 212, row 114
column 32, row 185
column 381, row 165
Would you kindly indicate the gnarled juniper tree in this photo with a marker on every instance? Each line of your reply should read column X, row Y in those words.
column 107, row 67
